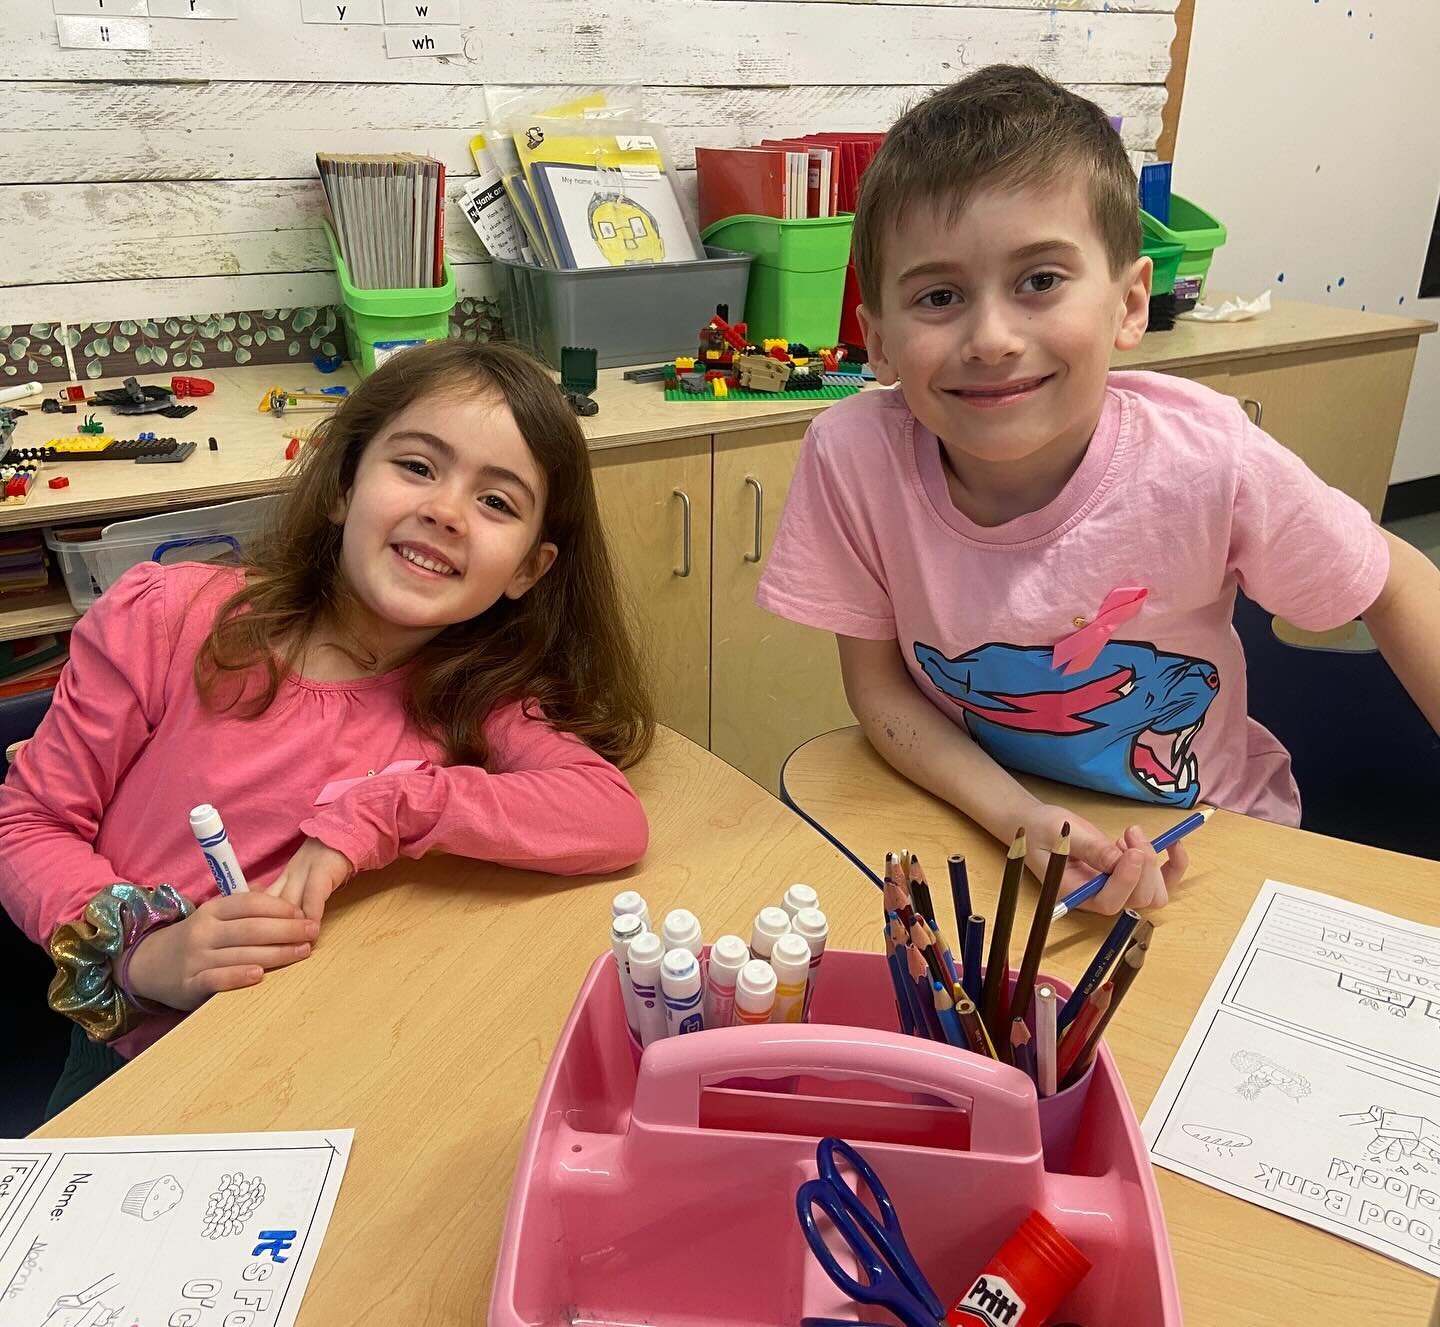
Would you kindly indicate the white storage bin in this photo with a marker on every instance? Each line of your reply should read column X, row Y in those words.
column 198, row 534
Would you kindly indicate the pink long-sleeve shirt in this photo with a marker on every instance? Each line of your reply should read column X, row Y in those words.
column 104, row 790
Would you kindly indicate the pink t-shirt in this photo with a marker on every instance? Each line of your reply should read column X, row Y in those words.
column 1178, row 494
column 104, row 789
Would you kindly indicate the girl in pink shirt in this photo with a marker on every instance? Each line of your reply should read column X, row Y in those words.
column 427, row 653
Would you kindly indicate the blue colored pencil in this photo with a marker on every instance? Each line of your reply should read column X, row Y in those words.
column 902, row 1005
column 1093, row 977
column 1090, row 888
column 960, row 892
column 949, row 1020
column 972, row 957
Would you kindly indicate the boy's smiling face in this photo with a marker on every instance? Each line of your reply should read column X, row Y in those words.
column 1000, row 323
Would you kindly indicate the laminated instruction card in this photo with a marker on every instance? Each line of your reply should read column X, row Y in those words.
column 1310, row 1081
column 178, row 1230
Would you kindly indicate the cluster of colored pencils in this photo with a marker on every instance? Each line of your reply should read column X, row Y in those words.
column 972, row 1003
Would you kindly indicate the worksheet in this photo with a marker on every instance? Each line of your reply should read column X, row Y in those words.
column 1309, row 1083
column 181, row 1230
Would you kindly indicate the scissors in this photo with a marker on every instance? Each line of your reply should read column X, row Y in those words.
column 892, row 1278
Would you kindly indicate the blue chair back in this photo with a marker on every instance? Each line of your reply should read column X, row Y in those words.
column 1365, row 758
column 19, row 718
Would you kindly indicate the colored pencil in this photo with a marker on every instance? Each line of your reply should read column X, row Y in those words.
column 1125, row 973
column 972, row 957
column 1090, row 888
column 902, row 1005
column 1022, row 1052
column 997, row 968
column 1105, row 958
column 960, row 891
column 945, row 1011
column 920, row 980
column 924, row 941
column 920, row 888
column 1073, row 1042
column 1040, row 925
column 976, row 1037
column 918, row 1024
column 1045, row 1039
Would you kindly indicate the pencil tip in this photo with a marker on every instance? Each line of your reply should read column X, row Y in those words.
column 1017, row 844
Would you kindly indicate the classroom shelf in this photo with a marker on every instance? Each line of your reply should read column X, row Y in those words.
column 51, row 611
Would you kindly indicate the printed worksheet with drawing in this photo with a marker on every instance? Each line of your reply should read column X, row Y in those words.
column 168, row 1231
column 1309, row 1082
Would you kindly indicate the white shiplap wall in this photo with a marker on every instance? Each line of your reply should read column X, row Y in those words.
column 182, row 178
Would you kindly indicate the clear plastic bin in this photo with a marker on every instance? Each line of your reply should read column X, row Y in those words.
column 642, row 314
column 200, row 534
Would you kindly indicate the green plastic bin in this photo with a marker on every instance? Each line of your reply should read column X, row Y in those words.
column 1199, row 233
column 1166, row 260
column 378, row 323
column 797, row 280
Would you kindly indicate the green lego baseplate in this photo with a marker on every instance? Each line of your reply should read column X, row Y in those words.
column 834, row 392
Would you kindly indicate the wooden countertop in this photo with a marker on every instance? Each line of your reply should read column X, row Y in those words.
column 251, row 458
column 1238, row 1265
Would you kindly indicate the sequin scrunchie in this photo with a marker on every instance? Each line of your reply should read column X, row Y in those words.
column 86, row 987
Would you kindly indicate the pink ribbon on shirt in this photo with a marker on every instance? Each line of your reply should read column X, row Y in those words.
column 1080, row 649
column 333, row 790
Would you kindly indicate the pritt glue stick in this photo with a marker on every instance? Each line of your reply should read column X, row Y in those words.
column 1035, row 1269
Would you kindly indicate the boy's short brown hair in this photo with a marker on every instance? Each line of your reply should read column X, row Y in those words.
column 1007, row 125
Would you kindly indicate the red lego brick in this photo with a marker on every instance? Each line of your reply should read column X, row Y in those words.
column 60, row 481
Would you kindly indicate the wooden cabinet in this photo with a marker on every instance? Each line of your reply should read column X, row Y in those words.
column 1338, row 410
column 655, row 503
column 727, row 674
column 774, row 683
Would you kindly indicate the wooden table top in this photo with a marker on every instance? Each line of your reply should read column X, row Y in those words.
column 1238, row 1265
column 414, row 1024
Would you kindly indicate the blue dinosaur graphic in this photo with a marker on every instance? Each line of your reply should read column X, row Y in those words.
column 1124, row 725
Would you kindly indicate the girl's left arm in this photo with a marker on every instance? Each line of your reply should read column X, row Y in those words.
column 549, row 803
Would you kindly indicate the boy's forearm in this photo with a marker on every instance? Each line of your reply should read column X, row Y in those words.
column 929, row 750
column 1405, row 622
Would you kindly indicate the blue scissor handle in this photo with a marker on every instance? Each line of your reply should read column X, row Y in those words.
column 169, row 544
column 866, row 1238
column 888, row 1236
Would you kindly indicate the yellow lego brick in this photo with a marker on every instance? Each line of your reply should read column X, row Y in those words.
column 684, row 363
column 771, row 342
column 712, row 354
column 720, row 389
column 88, row 442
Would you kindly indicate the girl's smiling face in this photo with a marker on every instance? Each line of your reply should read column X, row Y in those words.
column 443, row 519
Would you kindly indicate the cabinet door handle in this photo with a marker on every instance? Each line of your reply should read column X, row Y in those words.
column 684, row 568
column 755, row 554
column 1246, row 402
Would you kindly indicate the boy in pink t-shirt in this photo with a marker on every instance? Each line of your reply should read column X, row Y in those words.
column 1029, row 562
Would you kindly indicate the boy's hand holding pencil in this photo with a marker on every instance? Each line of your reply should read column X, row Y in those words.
column 1138, row 877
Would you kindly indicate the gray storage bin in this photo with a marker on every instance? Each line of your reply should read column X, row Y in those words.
column 644, row 314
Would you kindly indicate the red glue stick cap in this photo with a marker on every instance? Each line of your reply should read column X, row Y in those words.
column 1024, row 1283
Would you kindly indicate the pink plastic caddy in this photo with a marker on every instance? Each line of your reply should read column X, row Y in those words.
column 667, row 1196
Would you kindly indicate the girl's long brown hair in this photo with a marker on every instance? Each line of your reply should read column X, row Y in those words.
column 565, row 645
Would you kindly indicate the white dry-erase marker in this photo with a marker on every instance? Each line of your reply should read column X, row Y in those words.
column 680, row 984
column 791, row 960
column 815, row 927
column 627, row 900
column 646, row 951
column 18, row 393
column 770, row 925
column 682, row 931
column 622, row 931
column 209, row 831
column 754, row 992
column 799, row 896
column 727, row 956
